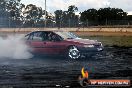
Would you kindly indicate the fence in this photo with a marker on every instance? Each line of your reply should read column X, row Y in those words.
column 7, row 23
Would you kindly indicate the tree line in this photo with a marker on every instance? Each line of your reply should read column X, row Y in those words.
column 104, row 16
column 16, row 14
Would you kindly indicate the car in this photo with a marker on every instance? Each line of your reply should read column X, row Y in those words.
column 62, row 43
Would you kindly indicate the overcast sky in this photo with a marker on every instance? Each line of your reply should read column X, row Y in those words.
column 82, row 5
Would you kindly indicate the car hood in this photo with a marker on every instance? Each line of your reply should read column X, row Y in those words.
column 84, row 41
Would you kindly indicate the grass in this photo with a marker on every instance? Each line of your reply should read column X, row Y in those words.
column 121, row 41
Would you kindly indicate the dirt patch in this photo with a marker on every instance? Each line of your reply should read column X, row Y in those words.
column 112, row 63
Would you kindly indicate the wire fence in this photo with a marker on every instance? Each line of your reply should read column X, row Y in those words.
column 8, row 23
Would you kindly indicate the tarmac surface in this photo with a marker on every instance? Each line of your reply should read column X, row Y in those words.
column 57, row 72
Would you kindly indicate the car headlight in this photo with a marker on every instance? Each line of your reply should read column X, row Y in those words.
column 88, row 46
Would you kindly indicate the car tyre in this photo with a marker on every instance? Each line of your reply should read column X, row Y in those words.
column 73, row 53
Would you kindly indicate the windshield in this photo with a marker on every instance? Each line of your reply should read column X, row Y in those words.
column 67, row 35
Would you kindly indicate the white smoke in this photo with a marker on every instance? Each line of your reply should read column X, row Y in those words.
column 14, row 47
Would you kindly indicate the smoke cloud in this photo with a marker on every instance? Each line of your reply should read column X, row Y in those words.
column 14, row 47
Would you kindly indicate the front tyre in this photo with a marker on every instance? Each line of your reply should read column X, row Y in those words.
column 73, row 53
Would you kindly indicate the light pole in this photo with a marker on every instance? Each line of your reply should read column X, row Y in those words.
column 45, row 13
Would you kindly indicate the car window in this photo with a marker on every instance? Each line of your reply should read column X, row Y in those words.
column 43, row 36
column 36, row 36
column 53, row 37
column 67, row 35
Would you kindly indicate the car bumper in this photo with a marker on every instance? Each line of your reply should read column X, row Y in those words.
column 90, row 51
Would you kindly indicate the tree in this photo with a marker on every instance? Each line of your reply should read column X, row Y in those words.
column 58, row 17
column 71, row 15
column 2, row 5
column 66, row 18
column 89, row 17
column 32, row 14
column 11, row 10
column 109, row 14
column 72, row 9
column 103, row 16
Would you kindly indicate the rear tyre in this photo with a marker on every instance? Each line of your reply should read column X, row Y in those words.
column 73, row 53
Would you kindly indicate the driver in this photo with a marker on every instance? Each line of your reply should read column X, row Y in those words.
column 51, row 37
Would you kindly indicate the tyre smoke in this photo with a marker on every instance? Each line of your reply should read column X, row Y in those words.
column 14, row 47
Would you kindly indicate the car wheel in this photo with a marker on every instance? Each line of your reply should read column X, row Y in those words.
column 73, row 52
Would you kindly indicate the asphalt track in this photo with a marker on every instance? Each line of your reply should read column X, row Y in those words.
column 57, row 72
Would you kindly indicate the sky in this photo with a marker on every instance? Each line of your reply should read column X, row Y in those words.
column 53, row 5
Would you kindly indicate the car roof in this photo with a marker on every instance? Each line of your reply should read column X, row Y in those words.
column 46, row 31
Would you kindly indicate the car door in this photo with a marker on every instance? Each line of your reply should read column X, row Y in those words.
column 54, row 44
column 36, row 42
column 43, row 43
